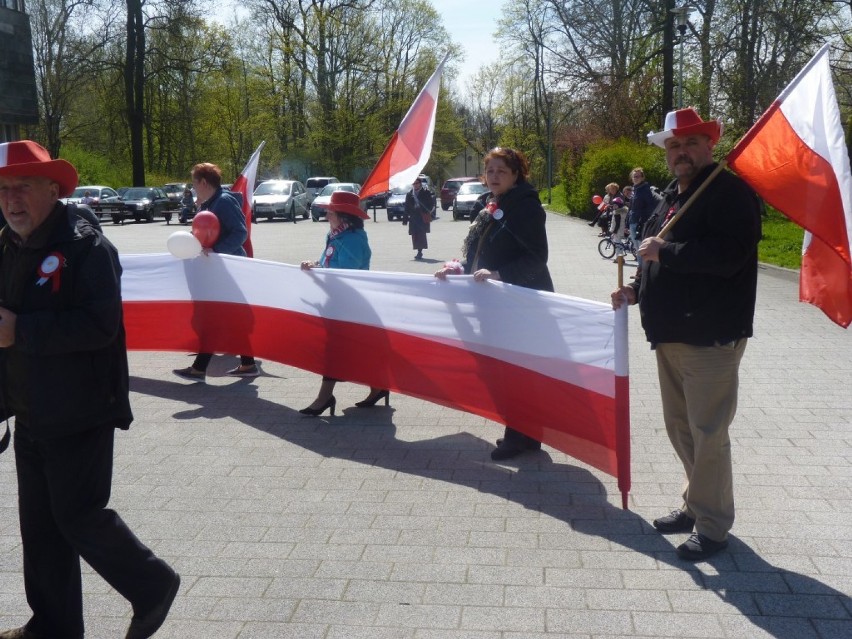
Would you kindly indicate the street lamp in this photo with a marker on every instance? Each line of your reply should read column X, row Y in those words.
column 548, row 98
column 681, row 15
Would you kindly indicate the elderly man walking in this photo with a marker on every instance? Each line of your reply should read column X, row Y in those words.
column 64, row 377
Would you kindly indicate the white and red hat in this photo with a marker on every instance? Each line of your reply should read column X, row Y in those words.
column 26, row 158
column 685, row 122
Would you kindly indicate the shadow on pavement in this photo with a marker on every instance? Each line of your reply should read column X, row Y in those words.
column 782, row 603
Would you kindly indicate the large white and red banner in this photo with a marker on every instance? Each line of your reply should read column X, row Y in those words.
column 796, row 158
column 552, row 366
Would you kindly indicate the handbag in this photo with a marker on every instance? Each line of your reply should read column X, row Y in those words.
column 426, row 217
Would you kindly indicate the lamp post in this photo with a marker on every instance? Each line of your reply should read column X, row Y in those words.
column 681, row 15
column 548, row 98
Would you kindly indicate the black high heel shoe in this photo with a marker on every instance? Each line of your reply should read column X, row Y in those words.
column 370, row 402
column 315, row 412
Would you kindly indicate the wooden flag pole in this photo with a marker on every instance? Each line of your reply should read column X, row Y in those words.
column 668, row 227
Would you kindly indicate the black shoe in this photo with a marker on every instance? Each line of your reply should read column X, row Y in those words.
column 239, row 371
column 190, row 373
column 509, row 450
column 19, row 633
column 675, row 522
column 315, row 412
column 699, row 547
column 372, row 401
column 144, row 626
column 506, row 451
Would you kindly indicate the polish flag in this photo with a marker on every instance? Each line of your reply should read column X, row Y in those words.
column 245, row 186
column 552, row 366
column 410, row 146
column 795, row 157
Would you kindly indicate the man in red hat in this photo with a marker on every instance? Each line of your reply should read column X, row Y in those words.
column 696, row 293
column 64, row 377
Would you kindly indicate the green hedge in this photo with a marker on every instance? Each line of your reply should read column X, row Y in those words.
column 612, row 162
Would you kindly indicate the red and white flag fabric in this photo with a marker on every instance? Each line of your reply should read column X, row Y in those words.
column 549, row 365
column 411, row 144
column 796, row 158
column 245, row 186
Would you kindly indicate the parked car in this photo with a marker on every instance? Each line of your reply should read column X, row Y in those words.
column 396, row 202
column 318, row 206
column 97, row 194
column 316, row 184
column 377, row 200
column 451, row 187
column 174, row 190
column 466, row 197
column 144, row 203
column 280, row 198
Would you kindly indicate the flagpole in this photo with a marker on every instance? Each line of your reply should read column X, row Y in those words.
column 622, row 393
column 668, row 227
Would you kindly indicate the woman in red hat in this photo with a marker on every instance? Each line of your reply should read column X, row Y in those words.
column 346, row 246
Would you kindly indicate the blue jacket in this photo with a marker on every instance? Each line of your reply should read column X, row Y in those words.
column 349, row 249
column 227, row 207
column 642, row 205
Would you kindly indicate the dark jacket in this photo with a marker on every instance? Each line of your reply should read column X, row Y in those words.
column 416, row 206
column 703, row 288
column 516, row 244
column 232, row 222
column 642, row 204
column 67, row 370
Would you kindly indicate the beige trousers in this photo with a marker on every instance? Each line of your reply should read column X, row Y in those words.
column 699, row 387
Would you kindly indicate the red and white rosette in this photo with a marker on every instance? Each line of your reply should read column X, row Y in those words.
column 329, row 251
column 494, row 210
column 454, row 267
column 50, row 269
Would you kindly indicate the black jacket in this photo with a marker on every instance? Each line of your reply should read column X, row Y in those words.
column 416, row 206
column 515, row 244
column 703, row 288
column 67, row 370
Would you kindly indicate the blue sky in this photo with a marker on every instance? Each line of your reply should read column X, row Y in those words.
column 471, row 23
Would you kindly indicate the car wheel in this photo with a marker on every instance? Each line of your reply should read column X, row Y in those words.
column 390, row 217
column 445, row 206
column 149, row 217
column 116, row 219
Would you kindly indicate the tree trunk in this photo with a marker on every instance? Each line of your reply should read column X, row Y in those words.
column 134, row 83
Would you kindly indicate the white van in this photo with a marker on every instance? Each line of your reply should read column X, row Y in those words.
column 316, row 184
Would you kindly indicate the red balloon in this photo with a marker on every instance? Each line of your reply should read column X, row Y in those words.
column 597, row 199
column 205, row 227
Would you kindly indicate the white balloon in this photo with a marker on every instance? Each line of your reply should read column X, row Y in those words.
column 183, row 245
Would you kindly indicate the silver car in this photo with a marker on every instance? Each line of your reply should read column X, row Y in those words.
column 321, row 201
column 287, row 199
column 465, row 198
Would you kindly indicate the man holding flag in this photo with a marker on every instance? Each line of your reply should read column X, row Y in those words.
column 696, row 293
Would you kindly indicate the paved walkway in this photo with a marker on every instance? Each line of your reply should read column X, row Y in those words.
column 394, row 522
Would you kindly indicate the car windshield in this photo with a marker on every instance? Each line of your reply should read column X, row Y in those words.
column 82, row 192
column 138, row 194
column 173, row 188
column 273, row 188
column 328, row 189
column 472, row 187
column 400, row 190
